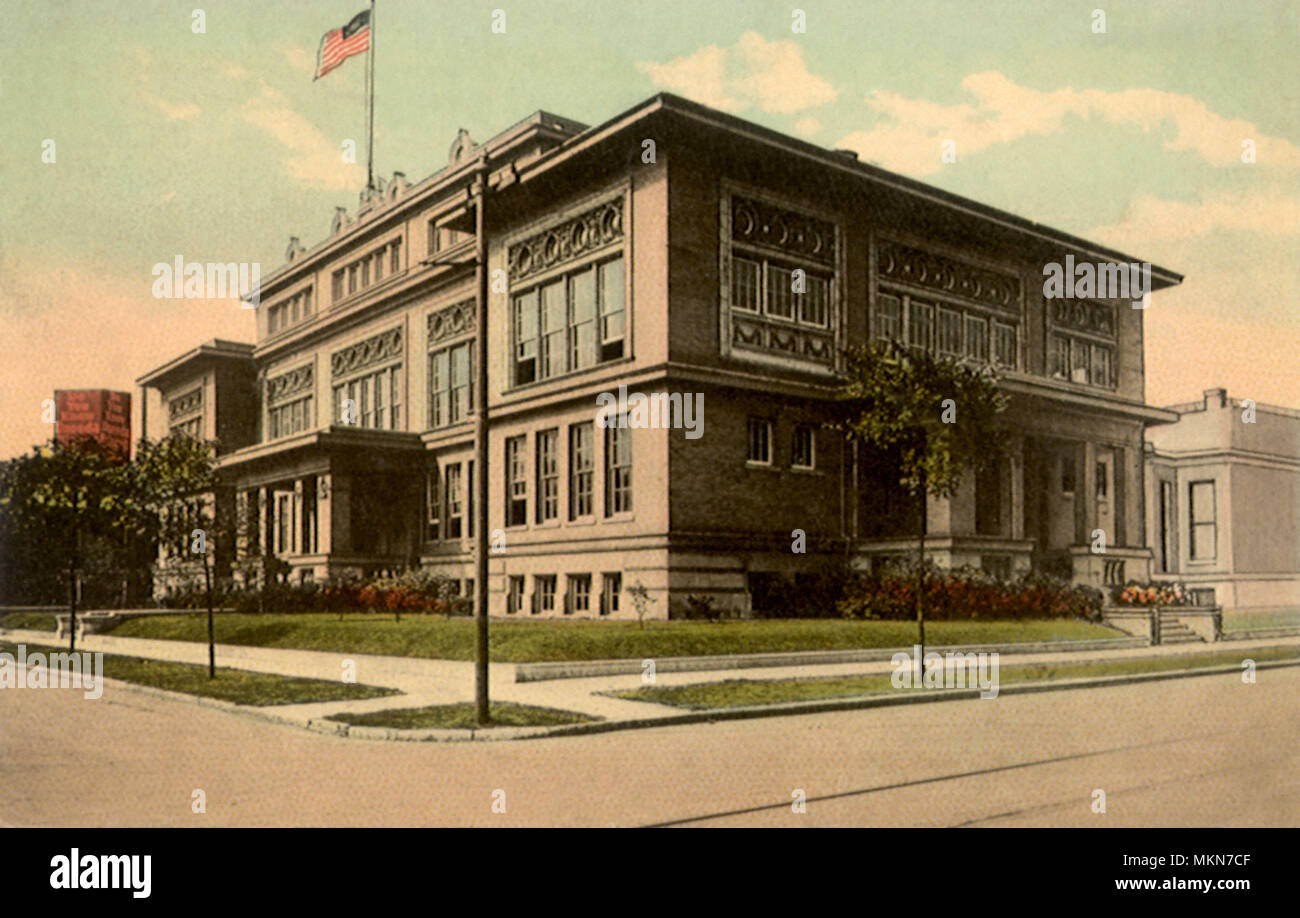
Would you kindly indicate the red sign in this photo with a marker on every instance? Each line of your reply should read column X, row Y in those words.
column 96, row 413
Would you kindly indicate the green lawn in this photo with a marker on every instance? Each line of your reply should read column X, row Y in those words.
column 464, row 716
column 34, row 621
column 1251, row 619
column 237, row 685
column 524, row 641
column 743, row 692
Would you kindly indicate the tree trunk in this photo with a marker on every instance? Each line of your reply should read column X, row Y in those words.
column 920, row 574
column 72, row 605
column 212, row 644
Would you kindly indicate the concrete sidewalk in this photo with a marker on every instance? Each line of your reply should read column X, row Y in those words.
column 431, row 682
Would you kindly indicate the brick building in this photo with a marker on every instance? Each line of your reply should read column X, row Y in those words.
column 657, row 251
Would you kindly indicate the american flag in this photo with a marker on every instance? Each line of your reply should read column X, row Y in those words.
column 340, row 44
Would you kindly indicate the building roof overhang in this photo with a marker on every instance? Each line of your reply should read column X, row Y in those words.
column 196, row 360
column 333, row 440
column 723, row 131
column 1063, row 395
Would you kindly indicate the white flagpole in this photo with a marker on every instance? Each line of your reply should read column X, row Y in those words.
column 370, row 104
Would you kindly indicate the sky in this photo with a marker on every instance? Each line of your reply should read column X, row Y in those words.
column 205, row 137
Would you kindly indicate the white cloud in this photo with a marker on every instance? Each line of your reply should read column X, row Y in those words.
column 186, row 111
column 909, row 132
column 807, row 126
column 1152, row 219
column 754, row 72
column 315, row 160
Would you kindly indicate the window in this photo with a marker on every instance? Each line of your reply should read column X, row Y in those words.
column 367, row 270
column 802, row 448
column 544, row 596
column 548, row 475
column 760, row 441
column 618, row 470
column 1079, row 362
column 1102, row 473
column 433, row 503
column 780, row 292
column 579, row 598
column 889, row 318
column 581, row 470
column 442, row 238
column 613, row 309
column 375, row 399
column 949, row 333
column 745, row 289
column 582, row 320
column 451, row 384
column 611, row 585
column 1067, row 475
column 569, row 324
column 814, row 305
column 191, row 428
column 1101, row 371
column 1060, row 367
column 920, row 326
column 1004, row 345
column 514, row 594
column 1201, row 513
column 780, row 289
column 516, row 481
column 454, row 502
column 288, row 418
column 977, row 339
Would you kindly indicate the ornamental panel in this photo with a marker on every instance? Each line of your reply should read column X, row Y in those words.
column 918, row 268
column 185, row 404
column 758, row 223
column 455, row 320
column 567, row 241
column 287, row 385
column 375, row 349
column 1085, row 316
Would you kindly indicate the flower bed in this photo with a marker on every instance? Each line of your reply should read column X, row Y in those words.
column 967, row 593
column 1150, row 594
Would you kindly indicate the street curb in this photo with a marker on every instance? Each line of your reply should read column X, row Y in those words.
column 712, row 715
column 583, row 669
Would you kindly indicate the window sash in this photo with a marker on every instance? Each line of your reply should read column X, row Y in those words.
column 548, row 475
column 581, row 470
column 760, row 441
column 803, row 448
column 618, row 470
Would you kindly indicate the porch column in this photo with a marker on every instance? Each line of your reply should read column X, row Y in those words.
column 340, row 513
column 297, row 523
column 1016, row 472
column 1088, row 483
column 266, row 540
column 324, row 502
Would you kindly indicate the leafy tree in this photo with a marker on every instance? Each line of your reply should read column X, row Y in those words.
column 937, row 421
column 176, row 483
column 61, row 497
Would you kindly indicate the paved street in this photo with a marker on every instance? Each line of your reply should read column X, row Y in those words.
column 1203, row 751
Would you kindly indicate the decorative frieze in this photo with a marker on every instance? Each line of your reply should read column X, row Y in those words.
column 759, row 223
column 287, row 385
column 567, row 241
column 918, row 268
column 188, row 403
column 451, row 322
column 375, row 349
column 787, row 341
column 1085, row 316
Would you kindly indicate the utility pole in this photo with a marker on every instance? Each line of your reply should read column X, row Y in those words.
column 478, row 193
